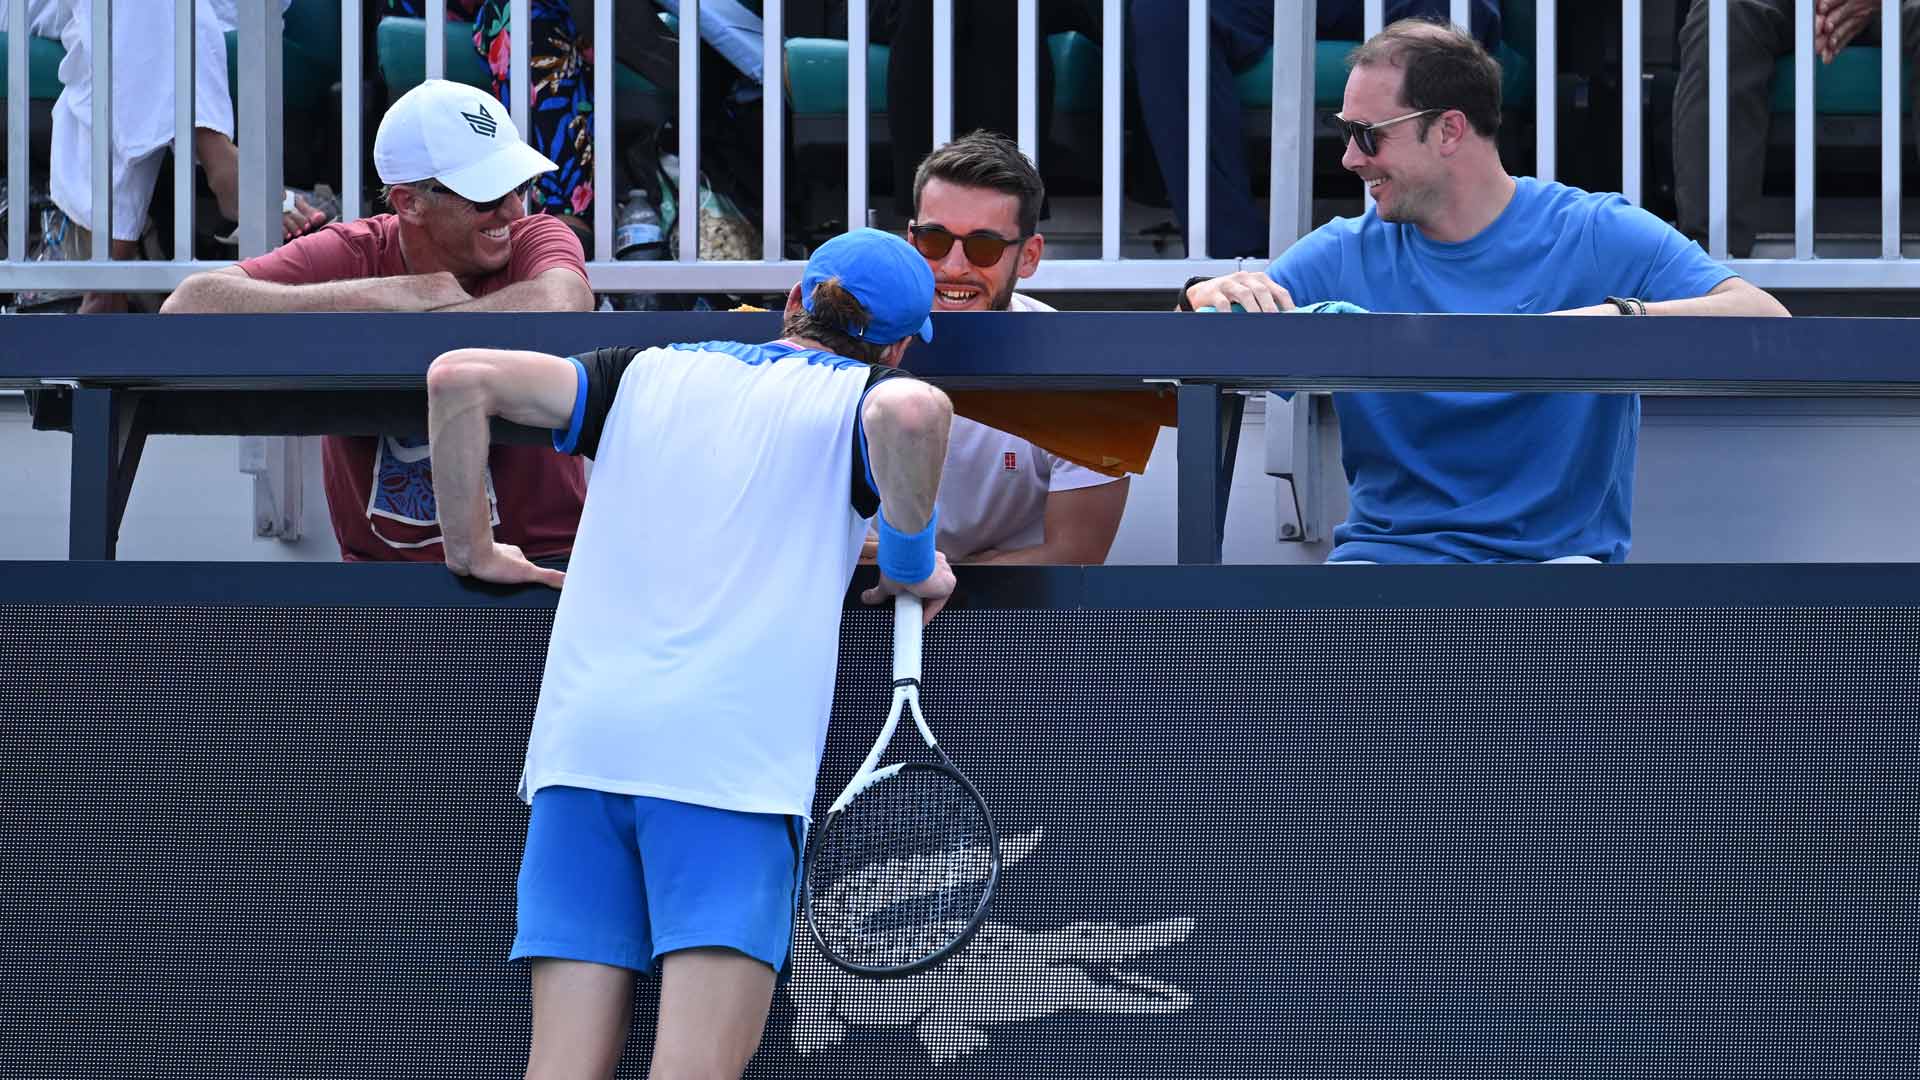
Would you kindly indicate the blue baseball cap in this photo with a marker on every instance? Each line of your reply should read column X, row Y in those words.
column 890, row 279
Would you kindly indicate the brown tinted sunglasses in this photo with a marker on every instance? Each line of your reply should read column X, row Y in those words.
column 490, row 205
column 982, row 249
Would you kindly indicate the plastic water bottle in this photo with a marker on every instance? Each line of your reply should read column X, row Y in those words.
column 637, row 235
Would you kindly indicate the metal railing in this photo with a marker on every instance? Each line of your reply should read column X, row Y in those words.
column 1289, row 195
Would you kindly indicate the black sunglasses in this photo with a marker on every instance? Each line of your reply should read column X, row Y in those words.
column 1362, row 133
column 487, row 207
column 982, row 249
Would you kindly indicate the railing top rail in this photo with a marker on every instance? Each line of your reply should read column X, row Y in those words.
column 1731, row 356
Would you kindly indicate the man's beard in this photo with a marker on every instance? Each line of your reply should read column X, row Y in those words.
column 1004, row 298
column 1409, row 207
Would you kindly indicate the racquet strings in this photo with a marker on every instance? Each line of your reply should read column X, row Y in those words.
column 900, row 874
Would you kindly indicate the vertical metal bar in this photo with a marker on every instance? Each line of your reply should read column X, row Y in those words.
column 1197, row 42
column 18, row 206
column 687, row 200
column 184, row 38
column 1803, row 85
column 1113, row 35
column 1632, row 101
column 1373, row 19
column 520, row 62
column 1461, row 14
column 261, row 163
column 1027, row 85
column 1717, row 128
column 93, row 470
column 1200, row 498
column 102, row 45
column 773, row 203
column 352, row 74
column 1290, row 185
column 1891, row 58
column 1546, row 87
column 942, row 72
column 436, row 39
column 856, row 115
column 606, row 201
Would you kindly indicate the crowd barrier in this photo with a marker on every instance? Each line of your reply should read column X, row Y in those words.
column 114, row 381
column 1394, row 821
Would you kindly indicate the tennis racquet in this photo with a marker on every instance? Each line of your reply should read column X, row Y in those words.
column 900, row 873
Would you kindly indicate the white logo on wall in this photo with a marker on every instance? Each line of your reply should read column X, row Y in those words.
column 1005, row 975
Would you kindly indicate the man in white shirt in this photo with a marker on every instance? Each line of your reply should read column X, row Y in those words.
column 684, row 704
column 1002, row 500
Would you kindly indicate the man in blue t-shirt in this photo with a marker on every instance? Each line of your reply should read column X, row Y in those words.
column 1452, row 477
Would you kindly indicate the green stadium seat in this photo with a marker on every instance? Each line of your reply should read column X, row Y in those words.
column 1850, row 86
column 1329, row 77
column 1255, row 84
column 817, row 75
column 43, row 66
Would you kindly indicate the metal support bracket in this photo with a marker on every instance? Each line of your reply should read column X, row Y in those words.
column 1209, row 441
column 109, row 433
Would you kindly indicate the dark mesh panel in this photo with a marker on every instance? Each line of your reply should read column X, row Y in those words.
column 273, row 842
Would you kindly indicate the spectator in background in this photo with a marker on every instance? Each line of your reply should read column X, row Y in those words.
column 1460, row 477
column 143, row 123
column 1759, row 33
column 985, row 65
column 560, row 114
column 459, row 239
column 1242, row 34
column 976, row 210
column 44, row 17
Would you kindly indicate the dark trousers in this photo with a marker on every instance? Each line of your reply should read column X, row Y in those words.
column 986, row 82
column 1242, row 32
column 1759, row 33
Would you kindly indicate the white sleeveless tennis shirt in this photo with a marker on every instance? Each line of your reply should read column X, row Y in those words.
column 696, row 641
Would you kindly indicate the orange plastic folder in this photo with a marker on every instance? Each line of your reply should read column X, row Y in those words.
column 1108, row 431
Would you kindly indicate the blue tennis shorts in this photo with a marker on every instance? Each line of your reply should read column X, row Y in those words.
column 625, row 879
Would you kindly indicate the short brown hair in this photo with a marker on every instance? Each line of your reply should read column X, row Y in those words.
column 1444, row 68
column 834, row 310
column 986, row 159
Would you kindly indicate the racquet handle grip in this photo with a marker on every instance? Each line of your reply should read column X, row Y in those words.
column 906, row 636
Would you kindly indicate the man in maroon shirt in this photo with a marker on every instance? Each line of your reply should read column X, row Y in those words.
column 458, row 239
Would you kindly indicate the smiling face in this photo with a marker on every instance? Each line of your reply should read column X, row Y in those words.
column 1407, row 177
column 958, row 285
column 459, row 239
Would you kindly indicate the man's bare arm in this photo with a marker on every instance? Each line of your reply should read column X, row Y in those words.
column 1080, row 527
column 231, row 289
column 555, row 289
column 1734, row 296
column 906, row 423
column 465, row 389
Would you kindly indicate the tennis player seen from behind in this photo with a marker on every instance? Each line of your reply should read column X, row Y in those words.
column 684, row 706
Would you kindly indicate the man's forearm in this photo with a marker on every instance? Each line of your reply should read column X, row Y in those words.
column 459, row 433
column 906, row 423
column 1738, row 301
column 1731, row 297
column 1037, row 555
column 553, row 290
column 223, row 292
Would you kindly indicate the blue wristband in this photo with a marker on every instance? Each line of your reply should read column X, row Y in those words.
column 906, row 557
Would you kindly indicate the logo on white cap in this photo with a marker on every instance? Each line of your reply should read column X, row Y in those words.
column 482, row 123
column 429, row 134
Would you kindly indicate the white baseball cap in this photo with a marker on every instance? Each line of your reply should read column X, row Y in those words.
column 459, row 135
